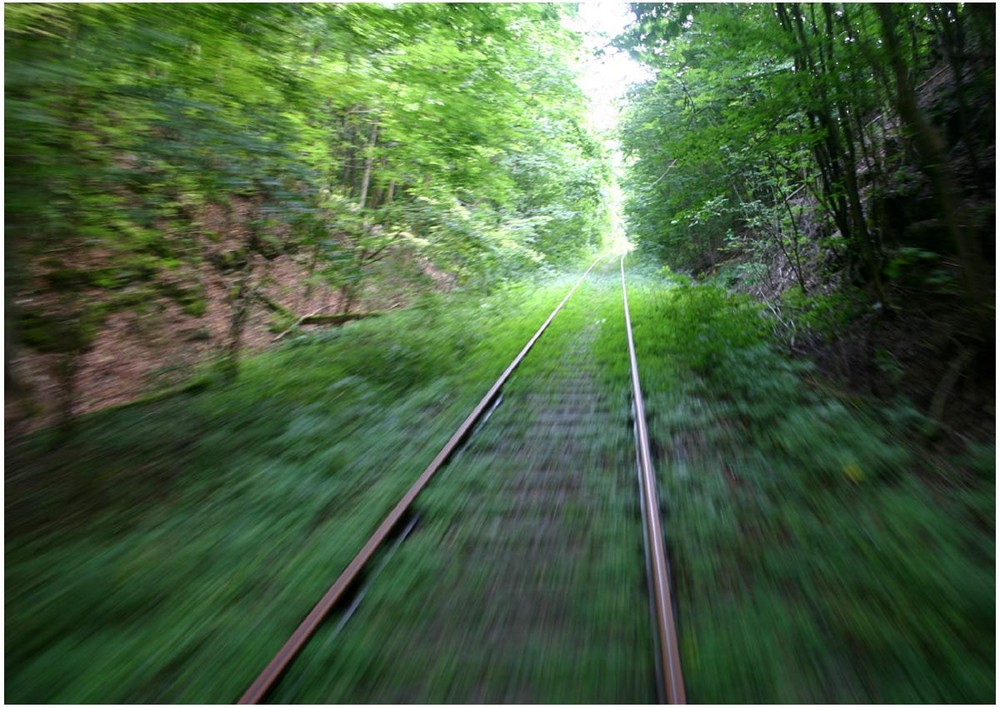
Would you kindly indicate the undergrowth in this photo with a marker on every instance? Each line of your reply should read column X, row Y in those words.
column 166, row 550
column 523, row 581
column 821, row 552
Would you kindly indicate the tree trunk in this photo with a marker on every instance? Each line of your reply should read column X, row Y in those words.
column 369, row 162
column 67, row 368
column 237, row 321
column 934, row 160
column 952, row 40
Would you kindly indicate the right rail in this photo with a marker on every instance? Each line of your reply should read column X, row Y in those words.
column 670, row 680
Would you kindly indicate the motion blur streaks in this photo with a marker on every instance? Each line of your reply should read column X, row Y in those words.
column 523, row 581
column 165, row 551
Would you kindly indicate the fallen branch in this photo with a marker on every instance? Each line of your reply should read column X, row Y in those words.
column 297, row 323
column 276, row 306
column 315, row 318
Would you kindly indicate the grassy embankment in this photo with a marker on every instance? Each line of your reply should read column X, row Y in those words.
column 823, row 551
column 166, row 551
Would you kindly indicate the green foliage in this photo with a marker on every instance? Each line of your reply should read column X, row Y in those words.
column 825, row 315
column 702, row 325
column 764, row 118
column 447, row 134
column 793, row 516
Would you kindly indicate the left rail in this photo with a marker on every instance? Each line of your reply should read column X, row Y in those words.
column 267, row 679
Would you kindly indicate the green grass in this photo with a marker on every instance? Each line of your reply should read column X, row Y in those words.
column 821, row 551
column 524, row 581
column 166, row 551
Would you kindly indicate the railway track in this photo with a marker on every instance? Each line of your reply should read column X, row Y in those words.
column 569, row 406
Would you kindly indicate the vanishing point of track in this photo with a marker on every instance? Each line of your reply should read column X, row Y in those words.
column 670, row 683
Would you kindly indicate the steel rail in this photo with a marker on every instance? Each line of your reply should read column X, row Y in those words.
column 669, row 676
column 276, row 667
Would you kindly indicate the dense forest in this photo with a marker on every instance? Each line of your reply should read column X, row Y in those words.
column 836, row 161
column 177, row 190
column 262, row 260
column 171, row 165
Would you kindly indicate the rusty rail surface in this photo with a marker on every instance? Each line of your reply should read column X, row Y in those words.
column 669, row 677
column 263, row 684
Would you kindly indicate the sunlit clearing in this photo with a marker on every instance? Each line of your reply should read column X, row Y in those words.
column 621, row 246
column 604, row 76
column 607, row 72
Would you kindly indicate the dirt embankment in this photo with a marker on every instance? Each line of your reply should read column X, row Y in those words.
column 136, row 352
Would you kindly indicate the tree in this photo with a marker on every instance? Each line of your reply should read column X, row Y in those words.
column 755, row 104
column 151, row 148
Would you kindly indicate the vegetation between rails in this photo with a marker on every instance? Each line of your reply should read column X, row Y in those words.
column 819, row 553
column 524, row 580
